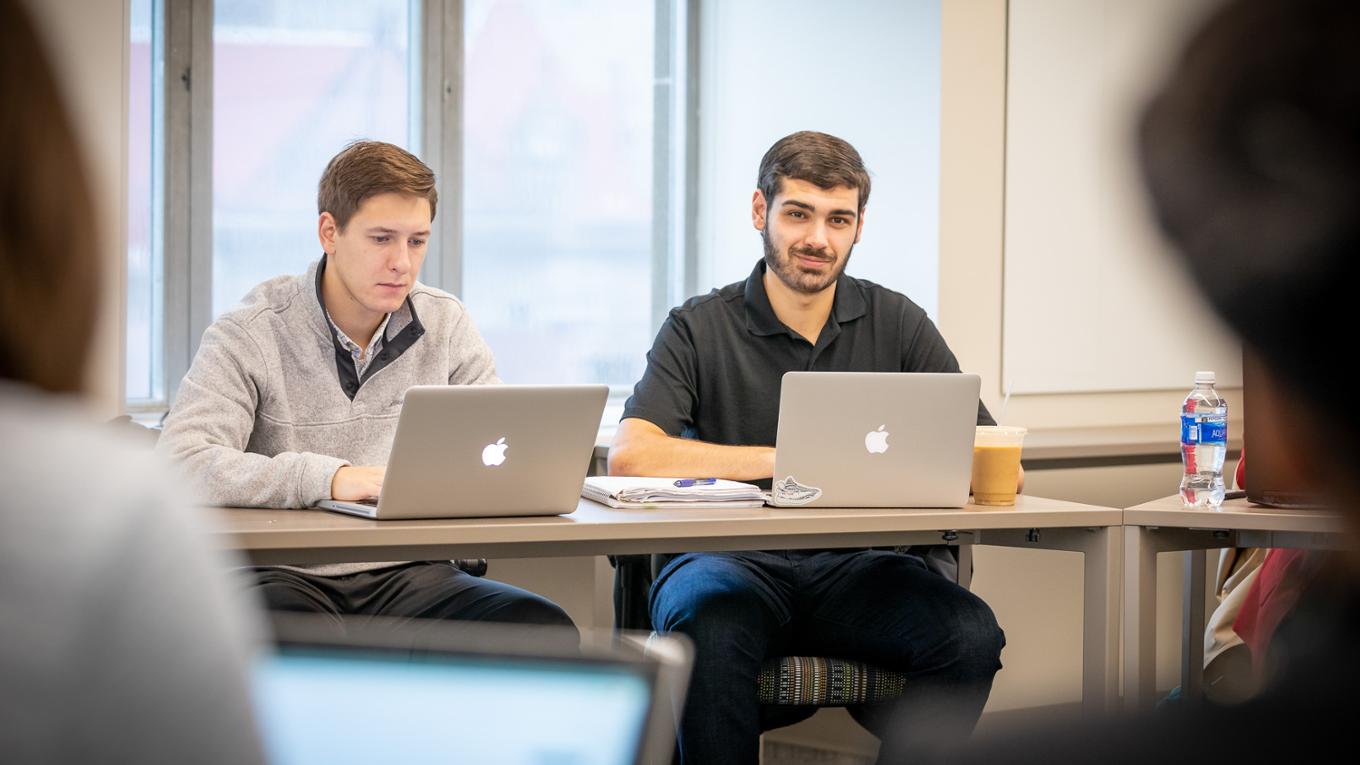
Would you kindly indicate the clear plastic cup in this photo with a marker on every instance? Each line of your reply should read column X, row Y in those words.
column 996, row 463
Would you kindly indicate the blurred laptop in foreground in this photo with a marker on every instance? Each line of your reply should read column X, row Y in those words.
column 469, row 694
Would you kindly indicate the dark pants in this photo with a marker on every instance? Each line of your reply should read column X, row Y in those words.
column 879, row 607
column 428, row 590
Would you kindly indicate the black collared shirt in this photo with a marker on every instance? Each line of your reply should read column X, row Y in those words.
column 715, row 370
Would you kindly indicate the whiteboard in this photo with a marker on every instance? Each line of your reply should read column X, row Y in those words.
column 1093, row 300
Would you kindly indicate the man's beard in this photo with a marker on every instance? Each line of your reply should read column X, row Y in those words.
column 795, row 277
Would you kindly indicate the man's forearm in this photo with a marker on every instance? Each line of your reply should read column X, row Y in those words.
column 229, row 477
column 668, row 456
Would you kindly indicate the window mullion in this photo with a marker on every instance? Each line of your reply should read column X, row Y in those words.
column 178, row 17
column 187, row 182
column 201, row 175
column 675, row 155
column 450, row 139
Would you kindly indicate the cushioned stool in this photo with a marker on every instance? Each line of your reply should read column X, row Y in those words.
column 824, row 682
column 786, row 681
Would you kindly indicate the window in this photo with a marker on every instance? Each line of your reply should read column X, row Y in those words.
column 293, row 82
column 553, row 135
column 144, row 381
column 557, row 186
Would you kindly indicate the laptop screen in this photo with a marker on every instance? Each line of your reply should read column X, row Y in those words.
column 325, row 705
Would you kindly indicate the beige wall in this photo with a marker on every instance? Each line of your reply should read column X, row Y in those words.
column 973, row 144
column 1094, row 298
column 88, row 41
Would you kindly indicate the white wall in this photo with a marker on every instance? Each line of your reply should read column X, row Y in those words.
column 1093, row 299
column 88, row 43
column 867, row 72
column 978, row 209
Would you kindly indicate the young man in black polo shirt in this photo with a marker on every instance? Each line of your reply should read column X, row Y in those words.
column 708, row 405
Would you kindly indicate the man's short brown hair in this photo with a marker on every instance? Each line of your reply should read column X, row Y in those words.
column 368, row 168
column 820, row 159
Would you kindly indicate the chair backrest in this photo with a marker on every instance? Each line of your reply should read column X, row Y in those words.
column 125, row 424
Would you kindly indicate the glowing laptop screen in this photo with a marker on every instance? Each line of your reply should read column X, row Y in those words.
column 331, row 706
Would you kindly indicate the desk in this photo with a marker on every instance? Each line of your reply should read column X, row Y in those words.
column 1165, row 525
column 312, row 536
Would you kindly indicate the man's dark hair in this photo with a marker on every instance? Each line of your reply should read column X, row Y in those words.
column 1251, row 152
column 820, row 159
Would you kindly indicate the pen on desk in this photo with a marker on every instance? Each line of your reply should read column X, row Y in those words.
column 684, row 482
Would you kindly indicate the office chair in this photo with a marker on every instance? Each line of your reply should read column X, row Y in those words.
column 789, row 688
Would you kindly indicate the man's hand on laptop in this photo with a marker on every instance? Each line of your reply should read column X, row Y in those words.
column 355, row 482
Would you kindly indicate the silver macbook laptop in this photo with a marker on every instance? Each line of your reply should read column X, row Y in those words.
column 472, row 451
column 467, row 693
column 875, row 439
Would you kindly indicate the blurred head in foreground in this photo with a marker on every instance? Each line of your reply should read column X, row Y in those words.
column 123, row 640
column 1251, row 154
column 49, row 269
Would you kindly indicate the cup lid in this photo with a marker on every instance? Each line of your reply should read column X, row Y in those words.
column 1003, row 430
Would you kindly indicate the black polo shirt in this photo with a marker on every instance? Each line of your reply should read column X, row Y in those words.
column 715, row 370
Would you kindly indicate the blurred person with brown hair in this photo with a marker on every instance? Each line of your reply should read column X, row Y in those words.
column 119, row 639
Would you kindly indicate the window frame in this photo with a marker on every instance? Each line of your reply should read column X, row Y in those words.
column 156, row 239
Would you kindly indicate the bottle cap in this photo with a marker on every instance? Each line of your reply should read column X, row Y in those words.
column 1204, row 378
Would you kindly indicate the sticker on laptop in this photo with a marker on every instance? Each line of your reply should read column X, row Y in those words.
column 789, row 492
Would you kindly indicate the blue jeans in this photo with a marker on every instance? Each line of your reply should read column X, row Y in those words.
column 879, row 607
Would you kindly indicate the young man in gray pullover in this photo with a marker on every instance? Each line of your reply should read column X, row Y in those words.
column 294, row 397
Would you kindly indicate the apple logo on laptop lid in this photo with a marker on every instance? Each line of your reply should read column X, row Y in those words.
column 876, row 441
column 494, row 454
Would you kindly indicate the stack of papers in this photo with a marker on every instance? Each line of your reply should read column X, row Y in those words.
column 624, row 491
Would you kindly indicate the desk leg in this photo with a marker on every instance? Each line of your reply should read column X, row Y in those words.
column 1141, row 546
column 1102, row 569
column 966, row 565
column 1100, row 620
column 1140, row 613
column 1192, row 627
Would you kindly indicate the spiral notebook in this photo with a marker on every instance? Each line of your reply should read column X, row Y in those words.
column 631, row 492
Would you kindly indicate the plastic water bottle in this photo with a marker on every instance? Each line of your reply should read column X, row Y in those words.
column 1204, row 443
